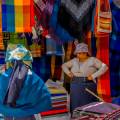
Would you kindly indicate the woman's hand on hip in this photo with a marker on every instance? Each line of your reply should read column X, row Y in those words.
column 90, row 77
column 70, row 75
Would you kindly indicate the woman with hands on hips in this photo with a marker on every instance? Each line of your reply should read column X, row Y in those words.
column 83, row 71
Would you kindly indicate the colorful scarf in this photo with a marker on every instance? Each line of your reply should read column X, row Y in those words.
column 1, row 39
column 18, row 52
column 100, row 43
column 103, row 19
column 17, row 15
column 104, row 80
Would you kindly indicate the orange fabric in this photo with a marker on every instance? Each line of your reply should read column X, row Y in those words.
column 104, row 80
column 1, row 38
column 102, row 28
column 103, row 18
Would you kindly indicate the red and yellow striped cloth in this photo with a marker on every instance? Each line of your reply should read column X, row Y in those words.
column 103, row 55
column 102, row 28
column 1, row 38
column 103, row 19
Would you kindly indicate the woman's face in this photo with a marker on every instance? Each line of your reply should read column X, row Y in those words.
column 82, row 55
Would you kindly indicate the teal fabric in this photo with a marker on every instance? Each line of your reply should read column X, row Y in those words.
column 34, row 96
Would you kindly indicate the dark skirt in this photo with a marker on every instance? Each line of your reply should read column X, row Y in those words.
column 78, row 95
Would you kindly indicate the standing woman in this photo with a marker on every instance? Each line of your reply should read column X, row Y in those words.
column 83, row 70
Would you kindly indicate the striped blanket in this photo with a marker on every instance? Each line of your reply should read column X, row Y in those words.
column 1, row 40
column 17, row 15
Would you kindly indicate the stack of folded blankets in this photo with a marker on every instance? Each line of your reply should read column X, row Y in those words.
column 58, row 97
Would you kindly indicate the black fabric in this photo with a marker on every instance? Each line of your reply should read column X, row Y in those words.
column 16, row 80
column 74, row 27
column 77, row 1
column 78, row 95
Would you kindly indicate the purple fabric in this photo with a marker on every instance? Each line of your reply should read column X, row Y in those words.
column 98, row 107
column 16, row 81
column 3, row 1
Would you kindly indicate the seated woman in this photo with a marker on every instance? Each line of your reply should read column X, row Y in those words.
column 22, row 92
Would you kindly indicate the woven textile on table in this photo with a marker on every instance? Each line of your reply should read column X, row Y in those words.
column 17, row 15
column 97, row 111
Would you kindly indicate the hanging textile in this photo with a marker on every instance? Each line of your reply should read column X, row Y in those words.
column 2, row 61
column 103, row 19
column 56, row 70
column 104, row 81
column 17, row 15
column 42, row 66
column 100, row 37
column 53, row 48
column 115, row 49
column 43, row 10
column 1, row 38
column 75, row 18
column 69, row 48
column 104, row 16
column 35, row 50
column 55, row 27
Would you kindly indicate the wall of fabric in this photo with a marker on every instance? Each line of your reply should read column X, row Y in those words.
column 49, row 31
column 115, row 49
